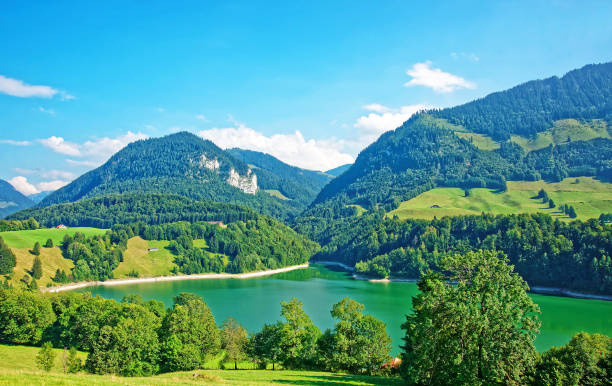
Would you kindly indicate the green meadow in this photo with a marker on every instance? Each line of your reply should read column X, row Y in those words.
column 589, row 197
column 18, row 366
column 26, row 239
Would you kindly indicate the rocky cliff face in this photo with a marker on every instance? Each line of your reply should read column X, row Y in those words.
column 212, row 164
column 247, row 184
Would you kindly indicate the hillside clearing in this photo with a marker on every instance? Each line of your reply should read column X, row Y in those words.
column 276, row 193
column 26, row 239
column 589, row 197
column 137, row 258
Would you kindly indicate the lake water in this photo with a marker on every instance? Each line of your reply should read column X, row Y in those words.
column 256, row 301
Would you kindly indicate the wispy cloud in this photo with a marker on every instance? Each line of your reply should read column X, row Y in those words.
column 93, row 152
column 15, row 143
column 47, row 111
column 201, row 117
column 443, row 82
column 465, row 55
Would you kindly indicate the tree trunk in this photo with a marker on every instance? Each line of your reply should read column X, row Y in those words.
column 235, row 365
column 272, row 366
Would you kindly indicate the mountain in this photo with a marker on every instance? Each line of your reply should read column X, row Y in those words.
column 446, row 147
column 11, row 200
column 275, row 176
column 38, row 197
column 339, row 170
column 182, row 164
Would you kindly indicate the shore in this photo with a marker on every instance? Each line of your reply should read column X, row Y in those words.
column 536, row 289
column 112, row 282
column 567, row 293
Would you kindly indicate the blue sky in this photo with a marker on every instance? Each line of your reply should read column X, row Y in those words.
column 310, row 82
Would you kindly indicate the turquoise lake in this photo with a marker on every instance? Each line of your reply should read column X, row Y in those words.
column 256, row 301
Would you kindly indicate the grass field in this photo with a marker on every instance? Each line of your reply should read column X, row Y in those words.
column 589, row 197
column 26, row 239
column 147, row 264
column 277, row 194
column 18, row 366
column 562, row 131
column 51, row 259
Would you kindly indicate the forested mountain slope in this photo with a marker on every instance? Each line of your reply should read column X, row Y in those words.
column 297, row 184
column 11, row 200
column 181, row 164
column 425, row 151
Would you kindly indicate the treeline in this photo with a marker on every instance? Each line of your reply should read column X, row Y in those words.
column 253, row 245
column 532, row 107
column 545, row 251
column 137, row 338
column 19, row 225
column 150, row 208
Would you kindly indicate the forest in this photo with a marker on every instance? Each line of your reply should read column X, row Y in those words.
column 545, row 251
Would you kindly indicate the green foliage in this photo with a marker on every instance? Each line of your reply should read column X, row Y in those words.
column 298, row 336
column 24, row 316
column 18, row 225
column 234, row 340
column 265, row 346
column 49, row 243
column 46, row 357
column 36, row 250
column 551, row 203
column 37, row 267
column 546, row 252
column 129, row 348
column 474, row 324
column 359, row 343
column 585, row 360
column 188, row 334
column 7, row 258
column 73, row 363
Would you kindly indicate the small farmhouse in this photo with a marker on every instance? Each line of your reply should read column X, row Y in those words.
column 219, row 223
column 152, row 249
column 61, row 226
column 435, row 206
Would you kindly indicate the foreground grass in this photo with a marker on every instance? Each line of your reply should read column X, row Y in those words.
column 26, row 239
column 18, row 366
column 589, row 197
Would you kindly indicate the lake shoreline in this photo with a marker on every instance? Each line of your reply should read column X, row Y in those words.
column 114, row 282
column 552, row 291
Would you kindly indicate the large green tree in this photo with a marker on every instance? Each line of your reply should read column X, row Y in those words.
column 359, row 343
column 299, row 336
column 7, row 258
column 473, row 323
column 266, row 345
column 46, row 357
column 24, row 316
column 37, row 268
column 234, row 340
column 188, row 334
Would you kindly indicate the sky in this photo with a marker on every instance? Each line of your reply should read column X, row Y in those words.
column 310, row 82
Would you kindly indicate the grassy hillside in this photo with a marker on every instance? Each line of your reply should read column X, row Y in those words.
column 276, row 193
column 26, row 239
column 564, row 131
column 147, row 263
column 18, row 366
column 589, row 197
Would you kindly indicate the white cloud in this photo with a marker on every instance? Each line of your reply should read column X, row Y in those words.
column 443, row 82
column 47, row 111
column 201, row 117
column 370, row 127
column 16, row 87
column 376, row 107
column 58, row 174
column 21, row 184
column 59, row 145
column 95, row 151
column 293, row 149
column 465, row 55
column 15, row 143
